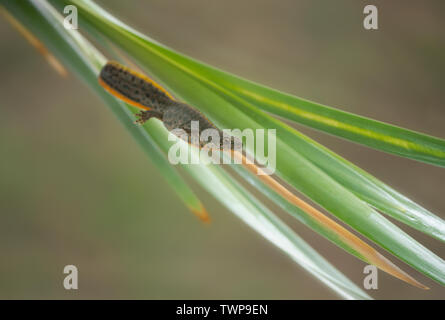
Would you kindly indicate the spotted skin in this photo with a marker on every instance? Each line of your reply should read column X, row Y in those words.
column 134, row 87
column 144, row 93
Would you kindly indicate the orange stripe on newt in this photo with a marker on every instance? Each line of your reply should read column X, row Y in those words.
column 121, row 96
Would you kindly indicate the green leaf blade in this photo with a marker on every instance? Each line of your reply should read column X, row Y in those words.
column 372, row 133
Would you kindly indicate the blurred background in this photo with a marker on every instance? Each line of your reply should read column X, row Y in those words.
column 76, row 189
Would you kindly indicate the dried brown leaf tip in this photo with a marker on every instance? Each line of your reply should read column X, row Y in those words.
column 36, row 43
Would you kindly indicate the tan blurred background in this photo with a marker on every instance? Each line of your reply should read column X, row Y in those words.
column 76, row 189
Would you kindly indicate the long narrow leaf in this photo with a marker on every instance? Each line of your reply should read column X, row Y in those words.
column 366, row 131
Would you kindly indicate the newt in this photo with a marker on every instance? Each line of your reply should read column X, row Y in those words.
column 155, row 102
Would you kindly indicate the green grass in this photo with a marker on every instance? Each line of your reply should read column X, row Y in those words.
column 340, row 187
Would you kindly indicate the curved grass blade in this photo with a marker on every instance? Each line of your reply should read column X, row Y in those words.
column 86, row 61
column 224, row 109
column 372, row 133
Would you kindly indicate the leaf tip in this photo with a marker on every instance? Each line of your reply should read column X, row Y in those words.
column 34, row 41
column 202, row 214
